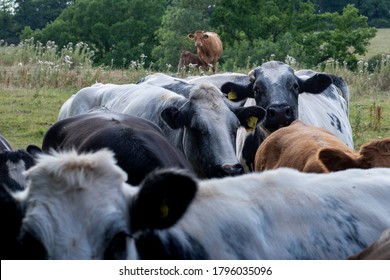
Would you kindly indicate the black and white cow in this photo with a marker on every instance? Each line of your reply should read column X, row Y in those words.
column 79, row 207
column 12, row 181
column 287, row 95
column 138, row 144
column 202, row 126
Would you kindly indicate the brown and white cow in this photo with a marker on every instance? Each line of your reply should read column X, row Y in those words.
column 188, row 58
column 208, row 46
column 312, row 149
column 379, row 250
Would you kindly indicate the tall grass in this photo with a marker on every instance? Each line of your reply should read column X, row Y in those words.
column 32, row 64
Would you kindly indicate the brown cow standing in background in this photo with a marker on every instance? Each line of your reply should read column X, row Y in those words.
column 209, row 47
column 187, row 58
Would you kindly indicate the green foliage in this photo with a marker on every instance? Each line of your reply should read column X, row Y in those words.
column 116, row 30
column 377, row 11
column 282, row 29
column 180, row 18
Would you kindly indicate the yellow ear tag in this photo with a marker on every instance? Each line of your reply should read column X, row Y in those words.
column 232, row 95
column 252, row 121
column 164, row 209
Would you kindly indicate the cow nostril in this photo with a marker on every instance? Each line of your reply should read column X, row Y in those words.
column 288, row 111
column 271, row 112
column 232, row 170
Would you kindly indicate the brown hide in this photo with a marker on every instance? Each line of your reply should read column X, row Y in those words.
column 187, row 58
column 312, row 149
column 208, row 46
column 379, row 250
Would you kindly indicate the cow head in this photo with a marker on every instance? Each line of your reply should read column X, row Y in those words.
column 76, row 208
column 209, row 127
column 375, row 153
column 276, row 88
column 199, row 36
column 79, row 207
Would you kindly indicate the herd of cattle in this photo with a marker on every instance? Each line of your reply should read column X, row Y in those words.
column 226, row 166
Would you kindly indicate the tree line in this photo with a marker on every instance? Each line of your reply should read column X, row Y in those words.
column 152, row 33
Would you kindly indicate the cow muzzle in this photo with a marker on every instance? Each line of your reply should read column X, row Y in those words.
column 229, row 170
column 279, row 116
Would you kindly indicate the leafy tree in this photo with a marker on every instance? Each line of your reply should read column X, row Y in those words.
column 377, row 11
column 119, row 31
column 7, row 22
column 280, row 28
column 37, row 13
column 349, row 36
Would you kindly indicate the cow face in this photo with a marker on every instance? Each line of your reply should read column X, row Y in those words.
column 209, row 130
column 276, row 88
column 198, row 37
column 76, row 208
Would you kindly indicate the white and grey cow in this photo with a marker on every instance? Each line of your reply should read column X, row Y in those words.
column 202, row 126
column 79, row 207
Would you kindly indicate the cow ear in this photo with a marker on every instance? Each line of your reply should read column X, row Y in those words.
column 163, row 198
column 335, row 160
column 252, row 76
column 250, row 116
column 34, row 150
column 191, row 36
column 235, row 92
column 173, row 117
column 315, row 84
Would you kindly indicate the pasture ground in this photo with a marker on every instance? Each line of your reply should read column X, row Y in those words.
column 26, row 114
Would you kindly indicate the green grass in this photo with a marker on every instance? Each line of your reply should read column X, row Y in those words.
column 28, row 113
column 370, row 117
column 380, row 44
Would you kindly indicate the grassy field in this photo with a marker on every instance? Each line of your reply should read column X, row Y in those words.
column 380, row 44
column 34, row 84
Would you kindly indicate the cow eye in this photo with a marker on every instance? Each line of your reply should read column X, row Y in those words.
column 197, row 131
column 117, row 248
column 295, row 87
column 31, row 248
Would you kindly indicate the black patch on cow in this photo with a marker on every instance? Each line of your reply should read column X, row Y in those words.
column 251, row 144
column 153, row 246
column 14, row 157
column 345, row 221
column 335, row 121
column 298, row 250
column 30, row 248
column 11, row 216
column 237, row 238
